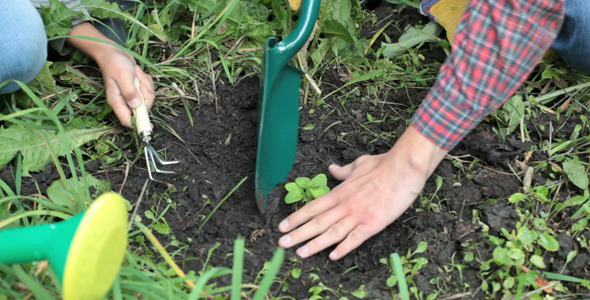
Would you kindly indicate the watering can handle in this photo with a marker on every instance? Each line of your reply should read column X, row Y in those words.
column 289, row 46
column 142, row 118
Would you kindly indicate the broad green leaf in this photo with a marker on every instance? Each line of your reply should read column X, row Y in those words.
column 391, row 281
column 516, row 197
column 57, row 18
column 548, row 242
column 502, row 256
column 576, row 172
column 538, row 261
column 73, row 76
column 292, row 186
column 319, row 191
column 64, row 195
column 161, row 228
column 102, row 8
column 571, row 255
column 527, row 236
column 303, row 182
column 320, row 180
column 421, row 247
column 45, row 77
column 415, row 4
column 150, row 215
column 361, row 293
column 575, row 200
column 513, row 112
column 412, row 38
column 293, row 196
column 33, row 145
column 508, row 283
column 516, row 254
column 335, row 28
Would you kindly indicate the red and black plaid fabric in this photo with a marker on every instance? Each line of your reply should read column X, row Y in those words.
column 497, row 44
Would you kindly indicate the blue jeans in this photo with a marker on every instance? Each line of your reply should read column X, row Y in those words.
column 573, row 42
column 23, row 43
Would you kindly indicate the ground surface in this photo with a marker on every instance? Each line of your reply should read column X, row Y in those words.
column 219, row 150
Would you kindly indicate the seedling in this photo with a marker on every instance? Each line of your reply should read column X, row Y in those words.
column 306, row 189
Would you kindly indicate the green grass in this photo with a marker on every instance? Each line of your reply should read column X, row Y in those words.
column 176, row 42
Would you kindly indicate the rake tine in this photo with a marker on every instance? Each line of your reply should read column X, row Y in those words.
column 149, row 165
column 153, row 157
column 159, row 158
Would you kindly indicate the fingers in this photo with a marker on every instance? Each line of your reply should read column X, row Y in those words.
column 117, row 103
column 355, row 238
column 319, row 223
column 339, row 172
column 343, row 173
column 123, row 96
column 334, row 234
column 127, row 89
column 147, row 86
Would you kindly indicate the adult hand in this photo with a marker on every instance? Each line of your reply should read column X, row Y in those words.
column 118, row 70
column 375, row 191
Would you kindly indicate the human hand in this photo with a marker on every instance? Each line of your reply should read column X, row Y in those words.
column 118, row 71
column 375, row 191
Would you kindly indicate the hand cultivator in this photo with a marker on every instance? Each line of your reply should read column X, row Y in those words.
column 144, row 129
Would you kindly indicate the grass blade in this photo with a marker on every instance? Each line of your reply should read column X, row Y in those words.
column 271, row 273
column 238, row 267
column 398, row 270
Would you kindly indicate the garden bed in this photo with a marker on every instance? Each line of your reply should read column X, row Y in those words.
column 197, row 214
column 219, row 150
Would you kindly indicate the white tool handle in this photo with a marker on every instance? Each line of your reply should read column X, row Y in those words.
column 142, row 118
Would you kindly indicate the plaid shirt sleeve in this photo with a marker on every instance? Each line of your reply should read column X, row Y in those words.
column 497, row 45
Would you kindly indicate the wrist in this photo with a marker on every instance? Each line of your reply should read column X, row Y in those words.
column 416, row 153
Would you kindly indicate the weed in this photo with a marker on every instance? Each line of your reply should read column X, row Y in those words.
column 411, row 266
column 305, row 189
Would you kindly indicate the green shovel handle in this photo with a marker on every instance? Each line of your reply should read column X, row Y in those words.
column 282, row 52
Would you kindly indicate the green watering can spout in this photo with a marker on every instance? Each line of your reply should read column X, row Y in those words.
column 85, row 251
column 279, row 106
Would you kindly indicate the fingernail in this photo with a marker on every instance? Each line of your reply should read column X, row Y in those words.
column 285, row 241
column 334, row 255
column 303, row 251
column 135, row 102
column 284, row 225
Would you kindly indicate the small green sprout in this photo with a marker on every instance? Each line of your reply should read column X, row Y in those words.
column 306, row 189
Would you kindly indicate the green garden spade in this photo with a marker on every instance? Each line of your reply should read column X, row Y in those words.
column 279, row 105
column 85, row 251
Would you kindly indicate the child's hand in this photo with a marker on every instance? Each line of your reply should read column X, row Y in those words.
column 118, row 71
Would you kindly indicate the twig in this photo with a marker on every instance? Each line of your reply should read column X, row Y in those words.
column 127, row 167
column 485, row 167
column 548, row 96
column 457, row 296
column 138, row 202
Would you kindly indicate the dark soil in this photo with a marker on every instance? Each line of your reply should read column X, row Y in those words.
column 219, row 150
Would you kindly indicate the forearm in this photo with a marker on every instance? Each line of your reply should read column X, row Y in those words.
column 497, row 45
column 98, row 50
